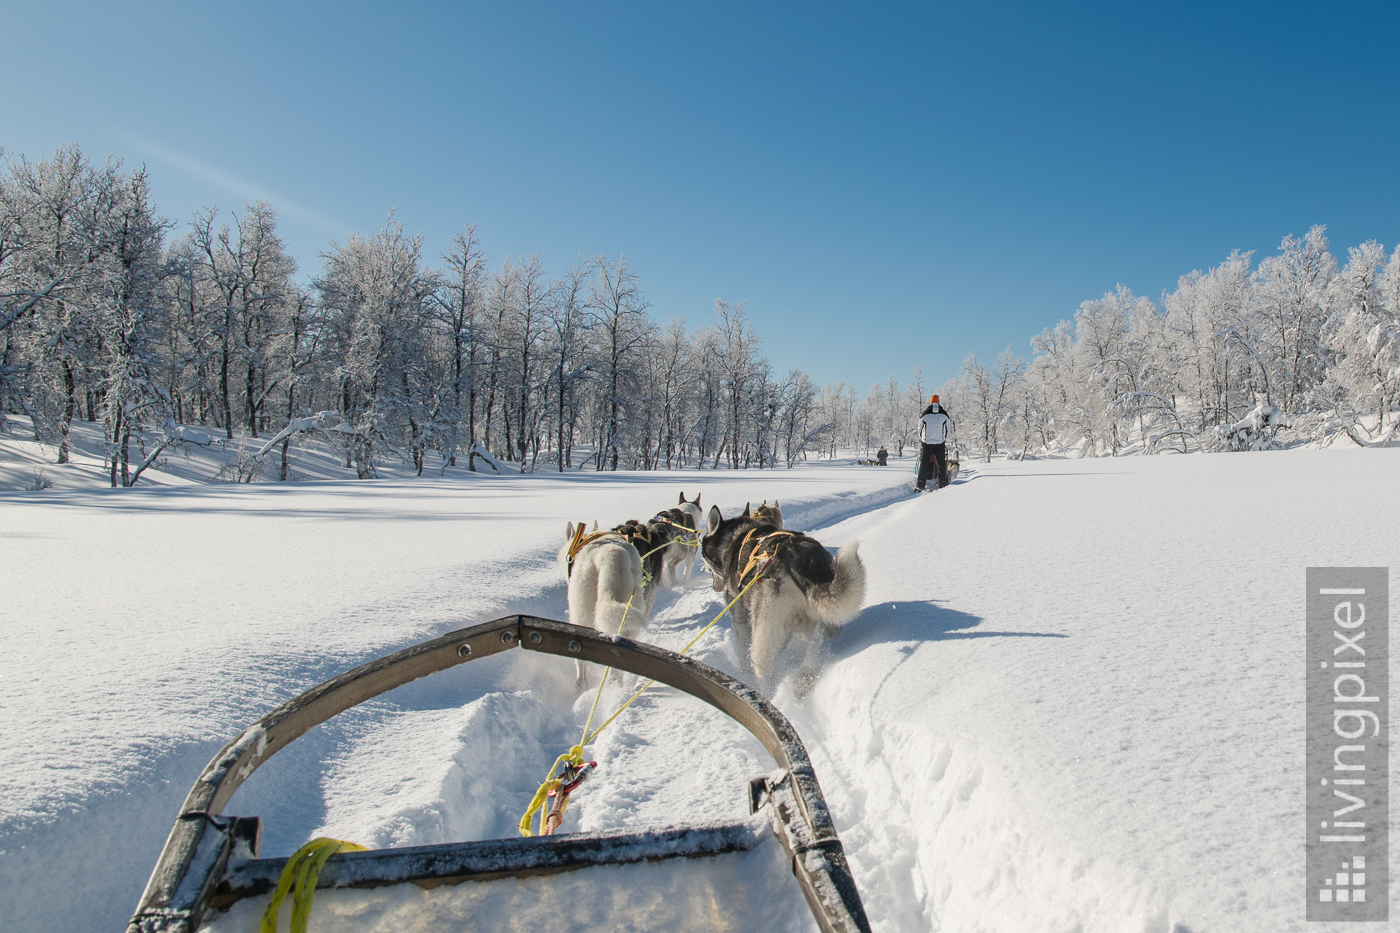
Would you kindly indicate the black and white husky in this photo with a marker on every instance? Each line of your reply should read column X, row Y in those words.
column 800, row 590
column 651, row 541
column 666, row 543
column 605, row 579
column 681, row 526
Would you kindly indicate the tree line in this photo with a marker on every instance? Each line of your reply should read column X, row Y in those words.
column 1226, row 361
column 109, row 314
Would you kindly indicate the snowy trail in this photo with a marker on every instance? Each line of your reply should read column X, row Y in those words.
column 667, row 759
column 670, row 756
column 143, row 628
column 1071, row 702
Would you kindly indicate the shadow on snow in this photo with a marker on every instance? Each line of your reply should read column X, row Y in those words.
column 915, row 621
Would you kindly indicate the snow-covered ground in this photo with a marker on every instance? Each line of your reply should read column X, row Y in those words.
column 1073, row 702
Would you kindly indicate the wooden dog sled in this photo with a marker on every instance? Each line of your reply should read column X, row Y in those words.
column 210, row 861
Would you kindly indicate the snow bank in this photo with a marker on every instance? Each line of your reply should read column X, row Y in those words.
column 1075, row 699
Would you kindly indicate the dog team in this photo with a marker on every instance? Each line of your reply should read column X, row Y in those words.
column 782, row 582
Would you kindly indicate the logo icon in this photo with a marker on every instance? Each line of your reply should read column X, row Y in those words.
column 1348, row 885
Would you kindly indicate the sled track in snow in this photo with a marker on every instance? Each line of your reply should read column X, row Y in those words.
column 193, row 871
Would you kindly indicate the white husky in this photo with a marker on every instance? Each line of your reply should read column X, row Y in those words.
column 605, row 584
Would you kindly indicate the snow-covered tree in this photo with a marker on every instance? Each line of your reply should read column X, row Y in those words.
column 1363, row 338
column 375, row 293
column 242, row 279
column 54, row 276
column 132, row 318
column 1291, row 292
column 458, row 311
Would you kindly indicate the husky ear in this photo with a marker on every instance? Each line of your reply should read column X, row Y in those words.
column 682, row 502
column 746, row 511
column 715, row 519
column 595, row 524
column 569, row 532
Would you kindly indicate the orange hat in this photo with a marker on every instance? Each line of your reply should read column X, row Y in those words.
column 932, row 399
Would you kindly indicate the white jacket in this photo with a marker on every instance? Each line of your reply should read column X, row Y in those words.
column 935, row 426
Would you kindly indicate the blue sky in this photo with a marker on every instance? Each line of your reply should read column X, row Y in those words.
column 884, row 185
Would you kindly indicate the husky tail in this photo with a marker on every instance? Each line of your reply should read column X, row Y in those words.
column 621, row 617
column 837, row 602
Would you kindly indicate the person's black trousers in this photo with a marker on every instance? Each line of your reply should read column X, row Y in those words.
column 933, row 457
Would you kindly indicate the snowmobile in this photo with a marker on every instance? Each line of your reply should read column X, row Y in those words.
column 211, row 861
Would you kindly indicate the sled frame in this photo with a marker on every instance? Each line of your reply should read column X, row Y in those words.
column 210, row 860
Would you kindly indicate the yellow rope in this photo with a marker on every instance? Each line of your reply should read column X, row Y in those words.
column 645, row 535
column 299, row 877
column 574, row 755
column 655, row 549
column 692, row 535
column 588, row 739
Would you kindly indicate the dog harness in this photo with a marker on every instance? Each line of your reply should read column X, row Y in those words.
column 670, row 516
column 635, row 531
column 765, row 512
column 757, row 553
column 580, row 541
column 632, row 532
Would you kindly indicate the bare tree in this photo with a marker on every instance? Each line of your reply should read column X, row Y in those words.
column 458, row 310
column 534, row 300
column 619, row 316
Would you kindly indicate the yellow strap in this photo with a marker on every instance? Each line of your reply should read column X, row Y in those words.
column 299, row 877
column 576, row 543
column 580, row 540
column 575, row 755
column 588, row 739
column 755, row 554
column 691, row 536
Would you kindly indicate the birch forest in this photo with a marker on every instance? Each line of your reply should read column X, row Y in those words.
column 167, row 334
column 1296, row 348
